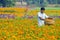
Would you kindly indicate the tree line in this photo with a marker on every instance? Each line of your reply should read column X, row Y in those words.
column 9, row 3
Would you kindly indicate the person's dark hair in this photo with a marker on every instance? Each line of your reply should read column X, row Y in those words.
column 42, row 8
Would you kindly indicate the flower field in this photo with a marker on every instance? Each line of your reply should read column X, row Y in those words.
column 22, row 24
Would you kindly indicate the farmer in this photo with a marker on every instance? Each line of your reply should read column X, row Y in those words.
column 41, row 17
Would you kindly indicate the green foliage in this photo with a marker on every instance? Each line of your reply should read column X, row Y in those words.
column 7, row 3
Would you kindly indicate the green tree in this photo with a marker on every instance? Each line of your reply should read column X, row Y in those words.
column 7, row 3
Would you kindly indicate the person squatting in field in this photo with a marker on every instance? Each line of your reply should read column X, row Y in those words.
column 41, row 17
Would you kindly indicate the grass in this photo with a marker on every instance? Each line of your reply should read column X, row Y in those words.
column 50, row 8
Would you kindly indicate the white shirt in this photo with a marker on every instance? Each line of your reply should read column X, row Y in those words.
column 43, row 16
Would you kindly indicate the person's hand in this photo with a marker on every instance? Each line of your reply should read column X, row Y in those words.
column 41, row 18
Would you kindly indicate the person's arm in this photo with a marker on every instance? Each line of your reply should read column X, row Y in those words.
column 41, row 18
column 46, row 16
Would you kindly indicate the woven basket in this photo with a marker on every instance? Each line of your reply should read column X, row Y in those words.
column 49, row 21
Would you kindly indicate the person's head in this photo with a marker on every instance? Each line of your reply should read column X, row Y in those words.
column 42, row 10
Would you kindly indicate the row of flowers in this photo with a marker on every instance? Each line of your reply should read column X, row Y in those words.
column 27, row 29
column 23, row 11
